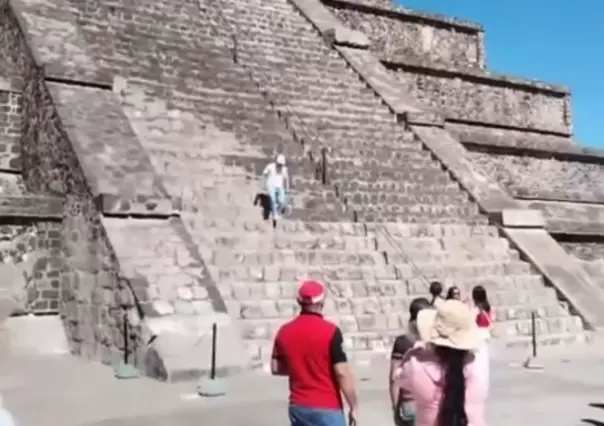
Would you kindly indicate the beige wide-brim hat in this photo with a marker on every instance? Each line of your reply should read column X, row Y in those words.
column 451, row 324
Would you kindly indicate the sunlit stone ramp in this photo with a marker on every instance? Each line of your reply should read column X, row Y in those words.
column 177, row 300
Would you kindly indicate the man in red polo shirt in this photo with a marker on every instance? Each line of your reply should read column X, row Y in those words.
column 308, row 350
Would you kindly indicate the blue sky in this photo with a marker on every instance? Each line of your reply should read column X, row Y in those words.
column 551, row 40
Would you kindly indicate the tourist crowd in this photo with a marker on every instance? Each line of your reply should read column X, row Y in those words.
column 439, row 372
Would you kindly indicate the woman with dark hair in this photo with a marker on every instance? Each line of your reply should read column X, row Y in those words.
column 484, row 320
column 441, row 376
column 436, row 291
column 402, row 403
column 481, row 302
column 454, row 293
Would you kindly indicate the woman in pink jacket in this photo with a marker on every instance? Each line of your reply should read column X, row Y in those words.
column 441, row 373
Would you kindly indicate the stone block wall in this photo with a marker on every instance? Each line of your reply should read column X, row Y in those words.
column 472, row 98
column 396, row 31
column 440, row 63
column 587, row 250
column 33, row 248
column 45, row 267
column 542, row 177
column 91, row 307
column 548, row 173
column 89, row 295
column 10, row 127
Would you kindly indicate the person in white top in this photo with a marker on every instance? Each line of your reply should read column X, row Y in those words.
column 6, row 418
column 484, row 320
column 277, row 184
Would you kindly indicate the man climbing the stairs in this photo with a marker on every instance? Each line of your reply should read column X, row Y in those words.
column 277, row 184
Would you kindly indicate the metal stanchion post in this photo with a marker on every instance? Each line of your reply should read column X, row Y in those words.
column 531, row 363
column 123, row 369
column 212, row 386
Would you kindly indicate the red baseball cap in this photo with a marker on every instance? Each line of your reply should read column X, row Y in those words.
column 311, row 292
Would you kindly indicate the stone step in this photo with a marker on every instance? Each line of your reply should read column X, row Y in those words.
column 544, row 326
column 430, row 270
column 272, row 241
column 224, row 257
column 319, row 121
column 381, row 120
column 282, row 241
column 320, row 257
column 524, row 286
column 393, row 272
column 345, row 109
column 257, row 49
column 260, row 350
column 331, row 212
column 256, row 165
column 295, row 228
column 395, row 137
column 328, row 97
column 358, row 199
column 379, row 330
column 398, row 257
column 395, row 308
column 544, row 341
column 420, row 213
column 396, row 186
column 384, row 154
column 430, row 174
column 410, row 160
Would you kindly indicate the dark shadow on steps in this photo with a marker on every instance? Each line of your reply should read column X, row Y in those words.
column 264, row 201
column 599, row 405
column 593, row 422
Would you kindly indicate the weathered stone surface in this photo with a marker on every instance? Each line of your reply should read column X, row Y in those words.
column 587, row 251
column 55, row 41
column 183, row 352
column 395, row 30
column 89, row 279
column 12, row 292
column 378, row 78
column 18, row 239
column 328, row 25
column 32, row 267
column 10, row 126
column 180, row 264
column 570, row 218
column 519, row 140
column 558, row 268
column 12, row 185
column 31, row 206
column 524, row 176
column 34, row 336
column 10, row 37
column 476, row 96
column 454, row 157
column 177, row 297
column 522, row 218
column 113, row 160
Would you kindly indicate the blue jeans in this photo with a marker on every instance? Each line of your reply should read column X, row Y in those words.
column 405, row 414
column 305, row 416
column 277, row 196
